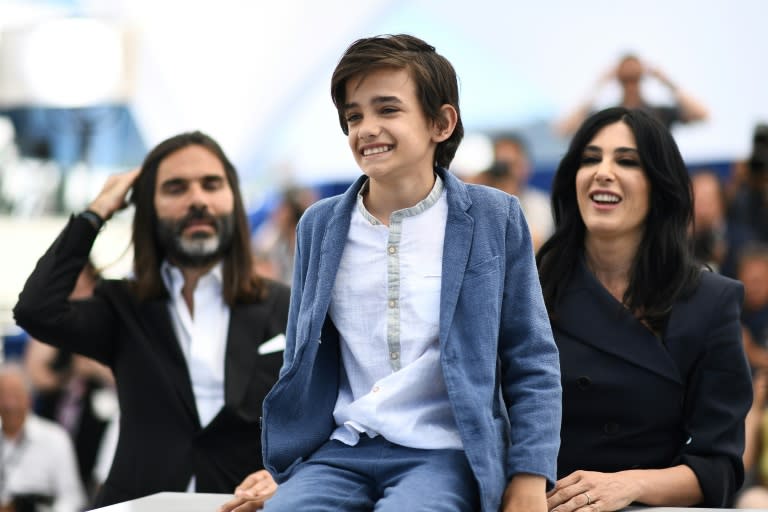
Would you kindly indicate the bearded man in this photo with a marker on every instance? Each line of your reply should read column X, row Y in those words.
column 194, row 338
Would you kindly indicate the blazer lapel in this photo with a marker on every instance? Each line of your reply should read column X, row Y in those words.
column 243, row 341
column 157, row 324
column 456, row 247
column 331, row 250
column 589, row 313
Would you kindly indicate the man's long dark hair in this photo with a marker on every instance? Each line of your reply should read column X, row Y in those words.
column 240, row 283
column 664, row 269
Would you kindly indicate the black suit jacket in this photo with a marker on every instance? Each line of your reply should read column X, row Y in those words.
column 632, row 400
column 161, row 443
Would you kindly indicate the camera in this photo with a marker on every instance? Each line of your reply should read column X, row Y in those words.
column 31, row 502
column 758, row 162
column 760, row 138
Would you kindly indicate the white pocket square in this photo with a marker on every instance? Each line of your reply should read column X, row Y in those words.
column 275, row 344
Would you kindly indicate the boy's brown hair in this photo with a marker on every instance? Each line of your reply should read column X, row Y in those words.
column 435, row 78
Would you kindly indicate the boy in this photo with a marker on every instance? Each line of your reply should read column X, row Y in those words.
column 420, row 371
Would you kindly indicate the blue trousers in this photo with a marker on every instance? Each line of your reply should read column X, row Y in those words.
column 378, row 475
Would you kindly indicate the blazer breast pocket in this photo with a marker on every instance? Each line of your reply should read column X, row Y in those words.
column 482, row 269
column 481, row 286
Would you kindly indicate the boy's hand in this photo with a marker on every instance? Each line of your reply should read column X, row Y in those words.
column 251, row 494
column 113, row 195
column 525, row 493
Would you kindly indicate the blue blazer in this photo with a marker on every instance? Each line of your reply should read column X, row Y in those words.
column 498, row 354
column 633, row 400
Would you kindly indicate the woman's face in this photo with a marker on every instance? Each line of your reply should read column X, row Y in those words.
column 612, row 190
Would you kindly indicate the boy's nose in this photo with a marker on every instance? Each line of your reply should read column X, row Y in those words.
column 368, row 130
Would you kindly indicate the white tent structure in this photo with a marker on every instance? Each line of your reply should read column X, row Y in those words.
column 255, row 74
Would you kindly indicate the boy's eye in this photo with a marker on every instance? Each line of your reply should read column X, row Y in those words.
column 351, row 118
column 389, row 110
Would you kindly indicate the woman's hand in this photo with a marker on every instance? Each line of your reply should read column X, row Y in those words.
column 591, row 491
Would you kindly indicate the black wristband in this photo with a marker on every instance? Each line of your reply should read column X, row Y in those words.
column 94, row 218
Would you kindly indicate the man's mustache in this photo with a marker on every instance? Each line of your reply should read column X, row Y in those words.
column 196, row 214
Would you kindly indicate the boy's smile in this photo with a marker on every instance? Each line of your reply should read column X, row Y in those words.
column 376, row 149
column 390, row 137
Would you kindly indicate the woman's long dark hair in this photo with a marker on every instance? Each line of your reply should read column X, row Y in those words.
column 663, row 269
column 240, row 283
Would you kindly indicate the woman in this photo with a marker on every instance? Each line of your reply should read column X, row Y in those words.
column 655, row 382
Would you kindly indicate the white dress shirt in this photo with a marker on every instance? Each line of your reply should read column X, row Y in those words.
column 41, row 460
column 386, row 307
column 202, row 336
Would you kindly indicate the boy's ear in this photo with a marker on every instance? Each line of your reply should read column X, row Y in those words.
column 445, row 124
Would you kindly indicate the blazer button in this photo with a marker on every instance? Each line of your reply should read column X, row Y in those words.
column 611, row 428
column 583, row 382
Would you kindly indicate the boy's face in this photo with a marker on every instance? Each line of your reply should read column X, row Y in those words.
column 389, row 134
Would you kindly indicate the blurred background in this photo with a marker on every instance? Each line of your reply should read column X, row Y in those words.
column 87, row 86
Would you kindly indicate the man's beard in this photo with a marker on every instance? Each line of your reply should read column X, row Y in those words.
column 199, row 249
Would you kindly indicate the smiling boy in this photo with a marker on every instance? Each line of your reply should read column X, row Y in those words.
column 420, row 371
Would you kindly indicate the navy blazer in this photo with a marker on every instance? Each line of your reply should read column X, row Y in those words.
column 632, row 400
column 498, row 355
column 162, row 443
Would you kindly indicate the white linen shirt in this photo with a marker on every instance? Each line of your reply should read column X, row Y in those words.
column 386, row 306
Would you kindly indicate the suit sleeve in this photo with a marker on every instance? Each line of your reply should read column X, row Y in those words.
column 529, row 360
column 717, row 400
column 44, row 309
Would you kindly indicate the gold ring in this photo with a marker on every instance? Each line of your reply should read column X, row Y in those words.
column 589, row 500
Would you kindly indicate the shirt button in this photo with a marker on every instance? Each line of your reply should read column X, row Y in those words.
column 376, row 389
column 392, row 303
column 392, row 249
column 393, row 355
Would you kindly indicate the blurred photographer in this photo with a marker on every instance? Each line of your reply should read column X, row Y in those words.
column 510, row 172
column 629, row 74
column 749, row 207
column 38, row 471
column 709, row 226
